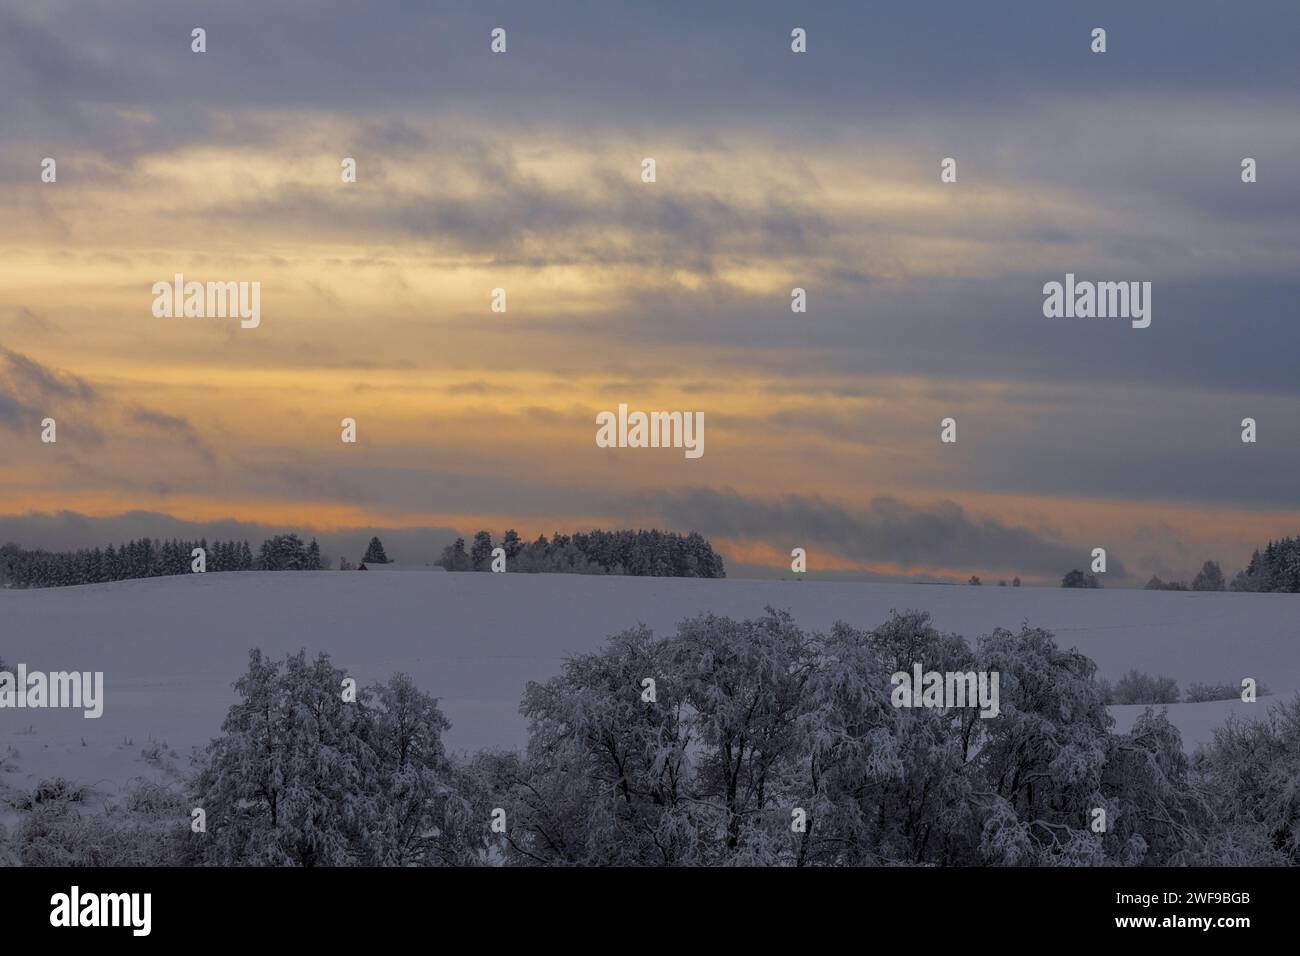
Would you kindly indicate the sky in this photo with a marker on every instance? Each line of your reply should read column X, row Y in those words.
column 774, row 170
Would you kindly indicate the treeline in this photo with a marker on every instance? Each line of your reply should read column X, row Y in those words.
column 1277, row 568
column 727, row 742
column 648, row 553
column 150, row 558
column 660, row 554
column 1136, row 687
column 1209, row 578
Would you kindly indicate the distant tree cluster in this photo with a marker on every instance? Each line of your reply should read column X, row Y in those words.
column 1198, row 692
column 150, row 558
column 1277, row 568
column 1209, row 578
column 1080, row 579
column 1155, row 584
column 654, row 553
column 286, row 552
column 1136, row 687
column 145, row 558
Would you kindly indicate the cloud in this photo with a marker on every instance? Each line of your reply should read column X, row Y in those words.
column 29, row 391
column 478, row 387
column 671, row 62
column 30, row 376
column 176, row 426
column 887, row 531
column 13, row 412
column 163, row 421
column 26, row 320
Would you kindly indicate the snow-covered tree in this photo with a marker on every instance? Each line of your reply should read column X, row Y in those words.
column 512, row 544
column 1250, row 770
column 286, row 782
column 480, row 554
column 375, row 552
column 1080, row 579
column 432, row 814
column 302, row 776
column 1209, row 578
column 455, row 557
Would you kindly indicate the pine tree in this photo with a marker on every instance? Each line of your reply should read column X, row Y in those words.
column 375, row 552
column 480, row 555
column 455, row 558
column 512, row 544
column 1210, row 578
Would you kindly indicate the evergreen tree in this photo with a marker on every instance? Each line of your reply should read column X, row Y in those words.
column 455, row 557
column 1080, row 579
column 480, row 555
column 512, row 544
column 1210, row 578
column 375, row 553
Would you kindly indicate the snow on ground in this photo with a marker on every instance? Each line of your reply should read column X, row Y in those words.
column 170, row 648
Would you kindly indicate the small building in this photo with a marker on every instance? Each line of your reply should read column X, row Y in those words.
column 395, row 566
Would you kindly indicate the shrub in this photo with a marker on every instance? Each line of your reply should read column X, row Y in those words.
column 1137, row 688
column 1199, row 693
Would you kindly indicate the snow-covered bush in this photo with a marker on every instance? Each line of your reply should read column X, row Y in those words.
column 53, row 792
column 1198, row 692
column 1252, row 771
column 57, row 837
column 1138, row 688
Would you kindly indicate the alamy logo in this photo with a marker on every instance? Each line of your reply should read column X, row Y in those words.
column 58, row 689
column 212, row 300
column 103, row 909
column 1100, row 300
column 651, row 430
column 946, row 689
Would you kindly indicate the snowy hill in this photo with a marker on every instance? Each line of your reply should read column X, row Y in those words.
column 170, row 648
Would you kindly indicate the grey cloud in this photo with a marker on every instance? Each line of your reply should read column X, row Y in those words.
column 478, row 387
column 175, row 426
column 28, row 320
column 1231, row 335
column 673, row 61
column 31, row 377
column 13, row 412
column 162, row 421
column 30, row 391
column 885, row 530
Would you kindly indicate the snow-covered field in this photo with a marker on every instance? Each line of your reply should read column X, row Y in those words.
column 170, row 648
